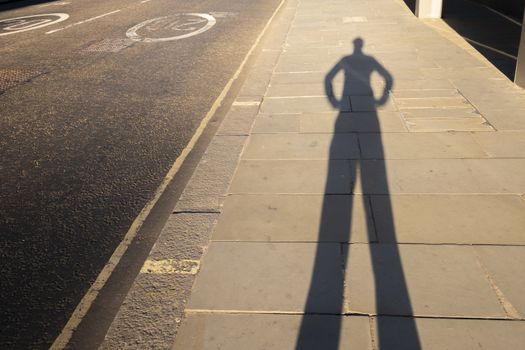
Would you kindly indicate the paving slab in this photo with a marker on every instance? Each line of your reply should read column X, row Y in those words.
column 317, row 43
column 405, row 74
column 302, row 146
column 300, row 218
column 369, row 104
column 441, row 113
column 506, row 118
column 432, row 102
column 472, row 73
column 454, row 219
column 292, row 176
column 442, row 176
column 441, row 281
column 505, row 266
column 319, row 89
column 311, row 89
column 502, row 144
column 279, row 78
column 277, row 332
column 319, row 59
column 338, row 51
column 448, row 124
column 450, row 334
column 426, row 93
column 280, row 123
column 238, row 121
column 419, row 146
column 268, row 277
column 211, row 179
column 298, row 65
column 384, row 121
column 256, row 83
column 277, row 105
column 493, row 99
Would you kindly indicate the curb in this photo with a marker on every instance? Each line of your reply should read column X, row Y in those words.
column 154, row 306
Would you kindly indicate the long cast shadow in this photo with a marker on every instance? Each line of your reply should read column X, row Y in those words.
column 390, row 284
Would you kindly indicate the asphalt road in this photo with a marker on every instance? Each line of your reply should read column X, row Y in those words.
column 90, row 123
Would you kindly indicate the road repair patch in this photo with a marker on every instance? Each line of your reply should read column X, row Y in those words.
column 170, row 266
column 13, row 77
column 22, row 24
column 172, row 27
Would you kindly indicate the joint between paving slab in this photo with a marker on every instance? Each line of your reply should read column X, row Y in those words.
column 371, row 327
column 345, row 301
column 373, row 220
column 507, row 306
column 476, row 109
column 196, row 211
column 446, row 244
column 349, row 314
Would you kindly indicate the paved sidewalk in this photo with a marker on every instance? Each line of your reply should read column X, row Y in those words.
column 378, row 201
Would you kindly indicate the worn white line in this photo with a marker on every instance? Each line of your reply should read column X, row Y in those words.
column 502, row 15
column 491, row 48
column 85, row 304
column 82, row 22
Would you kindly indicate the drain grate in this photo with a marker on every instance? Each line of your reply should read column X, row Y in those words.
column 13, row 77
column 110, row 45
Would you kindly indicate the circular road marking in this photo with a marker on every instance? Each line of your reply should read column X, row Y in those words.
column 21, row 24
column 184, row 25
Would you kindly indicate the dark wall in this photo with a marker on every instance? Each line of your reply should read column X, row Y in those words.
column 513, row 8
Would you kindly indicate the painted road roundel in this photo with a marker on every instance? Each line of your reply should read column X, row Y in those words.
column 21, row 24
column 173, row 27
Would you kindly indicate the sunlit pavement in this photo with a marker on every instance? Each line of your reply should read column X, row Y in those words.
column 364, row 191
column 375, row 200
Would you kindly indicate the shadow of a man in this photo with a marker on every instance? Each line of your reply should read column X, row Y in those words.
column 321, row 329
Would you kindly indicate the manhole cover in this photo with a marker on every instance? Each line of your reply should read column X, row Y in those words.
column 110, row 45
column 13, row 77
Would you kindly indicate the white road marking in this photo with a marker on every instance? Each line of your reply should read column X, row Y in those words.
column 22, row 24
column 85, row 304
column 82, row 22
column 210, row 22
column 491, row 48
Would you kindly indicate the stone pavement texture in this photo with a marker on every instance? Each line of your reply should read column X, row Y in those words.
column 378, row 202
